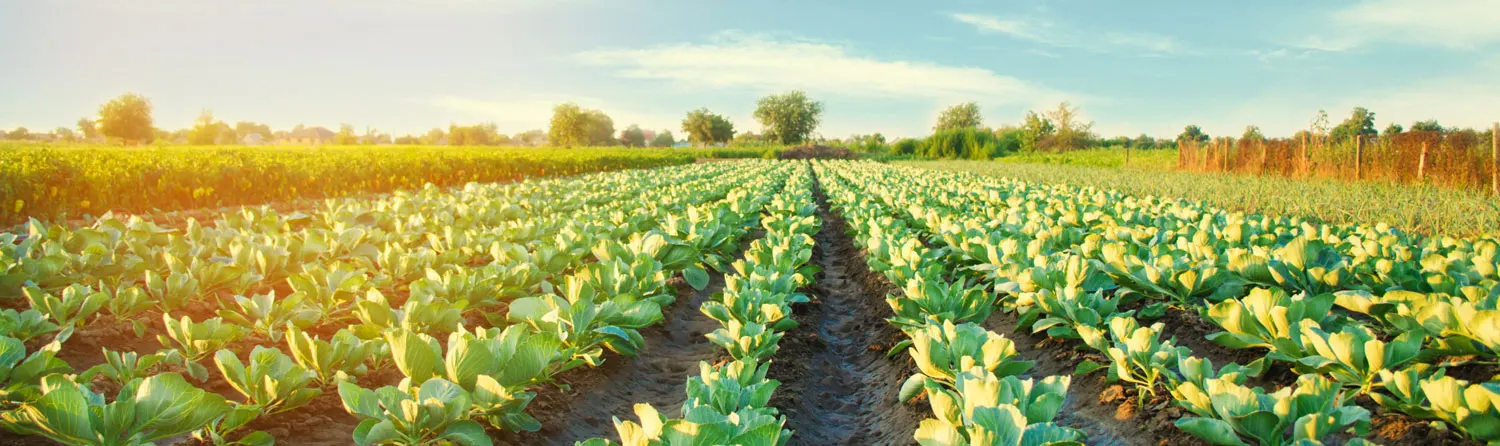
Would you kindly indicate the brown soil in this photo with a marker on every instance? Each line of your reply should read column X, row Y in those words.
column 655, row 376
column 837, row 385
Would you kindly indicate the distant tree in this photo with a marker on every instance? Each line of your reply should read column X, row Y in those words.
column 1193, row 134
column 346, row 136
column 1072, row 131
column 1252, row 133
column 19, row 134
column 705, row 127
column 965, row 115
column 1430, row 125
column 633, row 136
column 87, row 128
column 227, row 135
column 205, row 130
column 433, row 137
column 788, row 118
column 663, row 139
column 1361, row 122
column 600, row 129
column 531, row 138
column 65, row 134
column 128, row 119
column 1320, row 126
column 408, row 140
column 575, row 126
column 1144, row 142
column 1393, row 129
column 1035, row 129
column 247, row 128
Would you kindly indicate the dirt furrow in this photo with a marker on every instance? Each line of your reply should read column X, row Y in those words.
column 656, row 376
column 837, row 385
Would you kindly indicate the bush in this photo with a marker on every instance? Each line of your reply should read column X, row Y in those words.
column 906, row 147
column 817, row 152
column 964, row 143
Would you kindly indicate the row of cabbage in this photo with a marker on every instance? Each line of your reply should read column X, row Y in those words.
column 729, row 403
column 1061, row 276
column 576, row 266
column 974, row 379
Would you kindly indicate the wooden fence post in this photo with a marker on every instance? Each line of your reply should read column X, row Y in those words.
column 1262, row 157
column 1127, row 156
column 1306, row 158
column 1224, row 153
column 1495, row 158
column 1422, row 164
column 1359, row 147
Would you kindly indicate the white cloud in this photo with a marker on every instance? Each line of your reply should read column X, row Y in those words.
column 1041, row 30
column 740, row 60
column 1454, row 24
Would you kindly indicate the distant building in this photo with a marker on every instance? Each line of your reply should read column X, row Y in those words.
column 253, row 139
column 310, row 136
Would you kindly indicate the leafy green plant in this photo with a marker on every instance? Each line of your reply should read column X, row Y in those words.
column 434, row 412
column 1137, row 354
column 123, row 367
column 729, row 388
column 266, row 315
column 942, row 351
column 586, row 323
column 930, row 296
column 338, row 359
column 1473, row 409
column 127, row 302
column 147, row 410
column 1226, row 413
column 746, row 341
column 1269, row 318
column 495, row 366
column 20, row 373
column 1354, row 356
column 188, row 341
column 985, row 410
column 25, row 325
column 270, row 379
column 75, row 306
column 702, row 426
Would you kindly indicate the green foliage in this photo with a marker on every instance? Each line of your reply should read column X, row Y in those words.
column 1473, row 409
column 25, row 325
column 633, row 136
column 337, row 359
column 663, row 139
column 76, row 305
column 1430, row 125
column 146, row 410
column 1035, row 130
column 961, row 143
column 20, row 373
column 574, row 126
column 986, row 410
column 123, row 367
column 1225, row 413
column 1361, row 122
column 127, row 119
column 788, row 118
column 269, row 379
column 961, row 116
column 706, row 128
column 430, row 412
column 188, row 341
column 1192, row 134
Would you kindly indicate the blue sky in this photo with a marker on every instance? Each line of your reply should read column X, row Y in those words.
column 404, row 66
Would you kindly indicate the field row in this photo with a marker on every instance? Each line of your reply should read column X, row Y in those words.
column 1085, row 265
column 525, row 281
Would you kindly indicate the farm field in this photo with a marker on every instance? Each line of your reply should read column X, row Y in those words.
column 1419, row 209
column 750, row 302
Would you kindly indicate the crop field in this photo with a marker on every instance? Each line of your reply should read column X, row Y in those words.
column 752, row 302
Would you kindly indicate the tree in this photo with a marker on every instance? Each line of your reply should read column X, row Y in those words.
column 1034, row 130
column 1072, row 132
column 705, row 127
column 1144, row 142
column 788, row 118
column 1393, row 129
column 1430, row 125
column 575, row 126
column 205, row 130
column 19, row 134
column 65, row 134
column 531, row 138
column 87, row 128
column 1361, row 122
column 1252, row 133
column 633, row 136
column 1192, row 134
column 433, row 137
column 663, row 139
column 247, row 128
column 346, row 135
column 227, row 134
column 127, row 118
column 961, row 116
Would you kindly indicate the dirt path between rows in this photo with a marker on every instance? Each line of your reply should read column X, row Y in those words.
column 656, row 376
column 837, row 386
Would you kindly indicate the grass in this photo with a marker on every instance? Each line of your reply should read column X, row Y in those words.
column 1421, row 209
column 1144, row 159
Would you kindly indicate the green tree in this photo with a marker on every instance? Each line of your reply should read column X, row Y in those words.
column 705, row 128
column 1035, row 129
column 633, row 136
column 128, row 119
column 346, row 135
column 87, row 128
column 531, row 138
column 788, row 118
column 1361, row 122
column 433, row 137
column 205, row 130
column 1072, row 131
column 600, row 129
column 663, row 139
column 1252, row 133
column 961, row 116
column 1192, row 134
column 65, row 134
column 19, row 134
column 1393, row 129
column 1144, row 142
column 569, row 126
column 1430, row 125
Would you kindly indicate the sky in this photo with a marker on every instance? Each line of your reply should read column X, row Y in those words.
column 406, row 66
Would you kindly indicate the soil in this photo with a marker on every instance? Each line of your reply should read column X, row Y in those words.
column 837, row 386
column 656, row 376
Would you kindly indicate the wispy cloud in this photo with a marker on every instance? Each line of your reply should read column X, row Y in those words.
column 1464, row 25
column 743, row 60
column 1047, row 32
